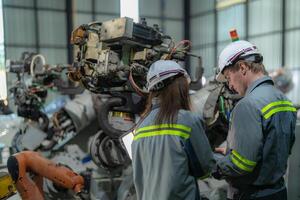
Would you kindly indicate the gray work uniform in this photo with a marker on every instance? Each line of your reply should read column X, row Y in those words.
column 167, row 159
column 261, row 135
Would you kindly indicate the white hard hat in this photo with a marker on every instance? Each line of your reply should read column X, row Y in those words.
column 232, row 53
column 162, row 70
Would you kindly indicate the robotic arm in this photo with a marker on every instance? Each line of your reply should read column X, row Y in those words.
column 113, row 57
column 31, row 188
column 69, row 121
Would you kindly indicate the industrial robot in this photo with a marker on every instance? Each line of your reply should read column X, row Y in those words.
column 29, row 168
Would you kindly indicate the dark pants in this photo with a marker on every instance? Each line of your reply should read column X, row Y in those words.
column 281, row 195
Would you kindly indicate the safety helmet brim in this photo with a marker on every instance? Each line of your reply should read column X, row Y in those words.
column 162, row 70
column 220, row 77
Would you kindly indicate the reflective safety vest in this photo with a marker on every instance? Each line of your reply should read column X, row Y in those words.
column 167, row 158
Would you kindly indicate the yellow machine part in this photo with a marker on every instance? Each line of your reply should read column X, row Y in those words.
column 7, row 187
column 124, row 115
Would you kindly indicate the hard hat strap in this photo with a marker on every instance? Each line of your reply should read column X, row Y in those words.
column 162, row 84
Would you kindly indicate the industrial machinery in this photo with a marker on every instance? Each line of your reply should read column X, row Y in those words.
column 113, row 58
column 214, row 103
column 31, row 186
column 7, row 187
column 33, row 67
column 112, row 61
column 115, row 55
column 28, row 98
column 62, row 127
column 4, row 109
column 30, row 90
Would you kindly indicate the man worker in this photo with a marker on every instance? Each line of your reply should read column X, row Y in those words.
column 261, row 130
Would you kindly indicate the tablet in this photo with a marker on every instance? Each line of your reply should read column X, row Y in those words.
column 127, row 141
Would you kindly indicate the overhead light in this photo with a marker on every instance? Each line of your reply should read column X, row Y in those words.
column 130, row 8
column 203, row 80
column 221, row 4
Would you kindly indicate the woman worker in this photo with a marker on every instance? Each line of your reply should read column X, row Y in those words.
column 170, row 148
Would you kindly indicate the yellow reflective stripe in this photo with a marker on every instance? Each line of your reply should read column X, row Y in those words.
column 241, row 162
column 279, row 109
column 244, row 160
column 241, row 166
column 162, row 132
column 276, row 103
column 178, row 126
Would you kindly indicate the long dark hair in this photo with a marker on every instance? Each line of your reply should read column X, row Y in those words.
column 172, row 98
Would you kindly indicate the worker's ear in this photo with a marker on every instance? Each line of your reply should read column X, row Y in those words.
column 243, row 68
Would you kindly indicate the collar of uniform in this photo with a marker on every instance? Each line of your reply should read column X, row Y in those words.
column 259, row 82
column 155, row 103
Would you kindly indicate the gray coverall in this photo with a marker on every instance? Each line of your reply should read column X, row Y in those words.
column 261, row 135
column 167, row 159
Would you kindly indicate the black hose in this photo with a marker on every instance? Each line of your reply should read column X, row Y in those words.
column 103, row 116
column 45, row 123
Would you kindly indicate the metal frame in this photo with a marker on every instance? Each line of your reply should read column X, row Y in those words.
column 69, row 14
column 34, row 46
column 162, row 14
column 162, row 17
column 216, row 34
column 93, row 10
column 34, row 6
column 37, row 44
column 214, row 44
column 247, row 20
column 187, row 26
column 186, row 19
column 283, row 30
column 159, row 17
column 203, row 13
column 283, row 26
column 36, row 23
